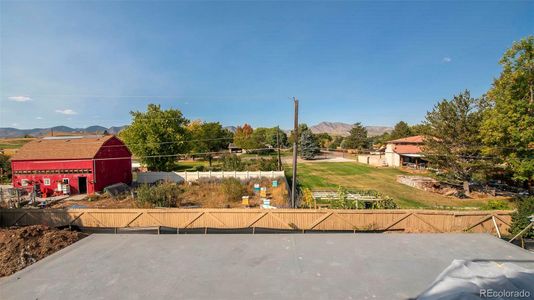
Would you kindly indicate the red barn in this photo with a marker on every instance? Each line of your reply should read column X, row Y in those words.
column 75, row 163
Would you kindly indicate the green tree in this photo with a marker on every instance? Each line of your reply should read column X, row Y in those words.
column 419, row 129
column 272, row 137
column 401, row 130
column 324, row 139
column 357, row 138
column 336, row 142
column 508, row 127
column 453, row 141
column 5, row 168
column 381, row 140
column 244, row 138
column 157, row 136
column 208, row 138
column 520, row 218
column 309, row 147
column 231, row 162
column 302, row 127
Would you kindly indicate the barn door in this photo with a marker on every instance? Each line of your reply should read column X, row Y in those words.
column 82, row 185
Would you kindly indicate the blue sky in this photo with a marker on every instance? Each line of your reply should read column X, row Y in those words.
column 85, row 63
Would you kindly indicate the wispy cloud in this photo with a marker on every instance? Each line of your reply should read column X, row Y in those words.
column 67, row 111
column 446, row 59
column 39, row 118
column 19, row 98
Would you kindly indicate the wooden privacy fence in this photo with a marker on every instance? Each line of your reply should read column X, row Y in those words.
column 494, row 222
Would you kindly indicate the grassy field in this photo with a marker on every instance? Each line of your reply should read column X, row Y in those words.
column 331, row 175
column 190, row 165
column 14, row 143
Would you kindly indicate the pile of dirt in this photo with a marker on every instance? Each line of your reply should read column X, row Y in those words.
column 23, row 246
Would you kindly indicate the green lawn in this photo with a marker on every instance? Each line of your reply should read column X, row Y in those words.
column 190, row 165
column 331, row 175
column 14, row 143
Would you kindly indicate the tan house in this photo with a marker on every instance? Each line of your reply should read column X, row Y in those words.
column 405, row 152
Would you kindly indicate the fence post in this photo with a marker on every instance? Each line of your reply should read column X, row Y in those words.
column 272, row 174
column 185, row 175
column 248, row 175
column 222, row 174
column 260, row 174
column 198, row 175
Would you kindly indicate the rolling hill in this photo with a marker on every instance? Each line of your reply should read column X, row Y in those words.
column 342, row 129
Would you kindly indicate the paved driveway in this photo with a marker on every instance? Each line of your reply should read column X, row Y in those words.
column 261, row 266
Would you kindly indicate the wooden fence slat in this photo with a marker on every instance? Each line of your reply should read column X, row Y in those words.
column 293, row 219
column 320, row 220
column 484, row 219
column 131, row 221
column 192, row 220
column 427, row 223
column 216, row 219
column 398, row 221
column 255, row 220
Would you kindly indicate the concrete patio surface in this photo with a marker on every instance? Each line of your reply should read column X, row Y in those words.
column 261, row 266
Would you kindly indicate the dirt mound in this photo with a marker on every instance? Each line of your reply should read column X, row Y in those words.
column 23, row 246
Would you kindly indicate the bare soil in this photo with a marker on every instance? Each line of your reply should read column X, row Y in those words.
column 97, row 202
column 23, row 246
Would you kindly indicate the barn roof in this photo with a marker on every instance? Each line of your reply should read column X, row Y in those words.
column 417, row 139
column 77, row 147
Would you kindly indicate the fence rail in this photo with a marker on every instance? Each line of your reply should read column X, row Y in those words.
column 151, row 177
column 493, row 222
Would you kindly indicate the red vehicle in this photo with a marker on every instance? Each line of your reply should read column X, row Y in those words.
column 72, row 164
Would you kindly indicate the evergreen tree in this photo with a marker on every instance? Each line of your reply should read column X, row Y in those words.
column 453, row 143
column 309, row 147
column 508, row 127
column 357, row 138
column 401, row 130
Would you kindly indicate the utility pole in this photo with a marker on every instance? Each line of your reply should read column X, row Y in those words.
column 295, row 153
column 278, row 144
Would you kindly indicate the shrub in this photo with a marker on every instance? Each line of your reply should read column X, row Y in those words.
column 496, row 205
column 231, row 162
column 232, row 189
column 520, row 218
column 199, row 168
column 161, row 195
column 307, row 198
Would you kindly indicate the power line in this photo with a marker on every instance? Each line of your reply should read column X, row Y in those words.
column 149, row 156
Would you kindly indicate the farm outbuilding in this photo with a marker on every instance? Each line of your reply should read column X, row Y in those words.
column 72, row 164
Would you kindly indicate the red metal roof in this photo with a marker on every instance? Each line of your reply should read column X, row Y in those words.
column 407, row 149
column 62, row 148
column 417, row 139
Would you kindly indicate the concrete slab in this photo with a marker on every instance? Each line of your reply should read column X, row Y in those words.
column 261, row 266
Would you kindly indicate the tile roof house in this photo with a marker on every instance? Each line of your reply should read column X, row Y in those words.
column 405, row 152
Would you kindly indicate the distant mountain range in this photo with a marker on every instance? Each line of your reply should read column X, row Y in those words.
column 8, row 132
column 342, row 129
column 332, row 128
